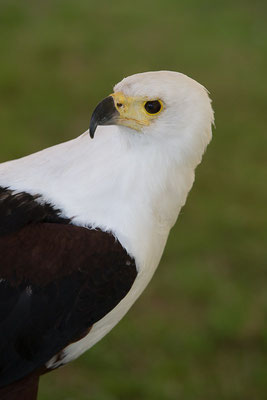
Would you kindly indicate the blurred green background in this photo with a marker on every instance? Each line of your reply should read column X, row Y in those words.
column 200, row 329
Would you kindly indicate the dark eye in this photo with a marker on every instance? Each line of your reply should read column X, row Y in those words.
column 153, row 106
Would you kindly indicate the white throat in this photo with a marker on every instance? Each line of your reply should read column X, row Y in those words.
column 115, row 182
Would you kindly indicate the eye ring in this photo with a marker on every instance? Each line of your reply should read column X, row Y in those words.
column 153, row 107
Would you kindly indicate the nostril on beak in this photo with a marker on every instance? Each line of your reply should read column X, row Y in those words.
column 119, row 105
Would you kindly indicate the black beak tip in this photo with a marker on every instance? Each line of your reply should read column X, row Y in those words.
column 105, row 113
column 92, row 131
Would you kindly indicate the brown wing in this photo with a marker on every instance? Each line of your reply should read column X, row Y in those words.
column 57, row 280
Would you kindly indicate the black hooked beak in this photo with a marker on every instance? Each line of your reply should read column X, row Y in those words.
column 105, row 113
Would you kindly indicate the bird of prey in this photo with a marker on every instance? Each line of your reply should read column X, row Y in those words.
column 83, row 224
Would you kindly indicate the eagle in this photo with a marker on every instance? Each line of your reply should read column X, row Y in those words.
column 83, row 224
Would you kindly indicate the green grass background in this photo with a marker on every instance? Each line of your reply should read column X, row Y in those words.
column 199, row 332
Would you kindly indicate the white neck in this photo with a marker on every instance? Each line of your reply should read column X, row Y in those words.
column 116, row 182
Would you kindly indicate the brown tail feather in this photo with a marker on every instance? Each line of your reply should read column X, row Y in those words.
column 24, row 389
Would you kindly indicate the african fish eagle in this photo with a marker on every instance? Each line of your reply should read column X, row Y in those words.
column 83, row 224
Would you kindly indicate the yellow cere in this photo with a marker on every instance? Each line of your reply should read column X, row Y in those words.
column 133, row 113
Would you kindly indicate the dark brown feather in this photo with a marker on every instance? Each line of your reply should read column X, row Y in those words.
column 57, row 280
column 24, row 389
column 20, row 209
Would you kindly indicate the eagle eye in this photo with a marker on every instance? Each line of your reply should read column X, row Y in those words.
column 153, row 106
